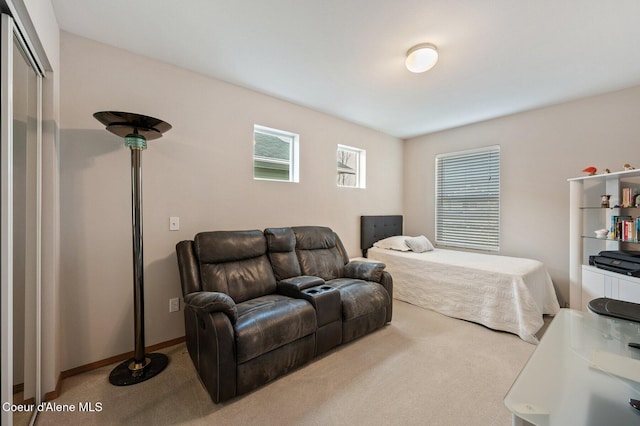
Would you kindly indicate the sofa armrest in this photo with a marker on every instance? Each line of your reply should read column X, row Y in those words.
column 293, row 286
column 188, row 266
column 205, row 302
column 364, row 270
column 387, row 283
column 325, row 301
column 210, row 340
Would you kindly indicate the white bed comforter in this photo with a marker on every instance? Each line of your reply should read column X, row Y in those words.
column 503, row 293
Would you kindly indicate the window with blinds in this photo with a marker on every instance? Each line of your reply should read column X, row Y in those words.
column 468, row 198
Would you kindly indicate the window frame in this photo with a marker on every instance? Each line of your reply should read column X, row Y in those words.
column 360, row 166
column 483, row 222
column 293, row 139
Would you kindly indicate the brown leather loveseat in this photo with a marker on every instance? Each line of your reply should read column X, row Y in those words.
column 259, row 304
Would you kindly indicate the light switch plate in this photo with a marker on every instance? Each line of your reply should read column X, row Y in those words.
column 174, row 223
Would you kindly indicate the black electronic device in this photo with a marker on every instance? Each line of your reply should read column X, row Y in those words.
column 622, row 262
column 615, row 308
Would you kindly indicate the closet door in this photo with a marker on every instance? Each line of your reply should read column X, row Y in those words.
column 20, row 161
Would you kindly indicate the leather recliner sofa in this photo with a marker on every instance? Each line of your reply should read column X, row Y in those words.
column 261, row 303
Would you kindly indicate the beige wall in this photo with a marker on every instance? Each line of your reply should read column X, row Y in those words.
column 540, row 150
column 201, row 171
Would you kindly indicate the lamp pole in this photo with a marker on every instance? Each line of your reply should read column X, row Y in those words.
column 136, row 144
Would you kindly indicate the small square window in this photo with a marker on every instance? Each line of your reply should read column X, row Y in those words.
column 351, row 167
column 275, row 154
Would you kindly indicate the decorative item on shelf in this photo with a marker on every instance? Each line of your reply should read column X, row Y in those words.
column 136, row 130
column 636, row 201
column 605, row 201
column 601, row 233
column 591, row 170
column 628, row 167
column 607, row 171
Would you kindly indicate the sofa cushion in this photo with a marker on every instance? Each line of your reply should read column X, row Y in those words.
column 314, row 237
column 228, row 246
column 281, row 246
column 320, row 252
column 269, row 322
column 359, row 297
column 235, row 263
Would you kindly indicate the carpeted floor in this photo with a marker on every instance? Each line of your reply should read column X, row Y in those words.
column 422, row 369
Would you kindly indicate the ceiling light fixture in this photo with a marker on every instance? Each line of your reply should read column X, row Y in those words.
column 421, row 57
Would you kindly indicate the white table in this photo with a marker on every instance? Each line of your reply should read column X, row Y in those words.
column 581, row 373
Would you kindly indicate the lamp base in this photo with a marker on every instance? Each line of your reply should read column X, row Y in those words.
column 128, row 373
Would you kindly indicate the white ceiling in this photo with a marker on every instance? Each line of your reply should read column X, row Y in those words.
column 346, row 57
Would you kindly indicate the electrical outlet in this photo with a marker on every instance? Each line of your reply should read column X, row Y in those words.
column 174, row 304
column 174, row 223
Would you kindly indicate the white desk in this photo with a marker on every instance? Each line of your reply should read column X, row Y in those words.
column 560, row 385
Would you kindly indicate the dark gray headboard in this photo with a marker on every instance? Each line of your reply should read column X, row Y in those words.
column 376, row 228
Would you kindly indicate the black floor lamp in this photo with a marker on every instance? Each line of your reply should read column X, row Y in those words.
column 136, row 130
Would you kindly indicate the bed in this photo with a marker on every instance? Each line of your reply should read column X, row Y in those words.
column 500, row 292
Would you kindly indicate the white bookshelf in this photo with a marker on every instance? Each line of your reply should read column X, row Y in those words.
column 586, row 216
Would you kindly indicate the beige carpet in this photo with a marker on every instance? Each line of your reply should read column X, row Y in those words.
column 422, row 369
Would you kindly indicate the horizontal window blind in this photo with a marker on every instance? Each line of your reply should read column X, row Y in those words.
column 468, row 199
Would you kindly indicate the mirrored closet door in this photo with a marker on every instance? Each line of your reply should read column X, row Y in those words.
column 20, row 237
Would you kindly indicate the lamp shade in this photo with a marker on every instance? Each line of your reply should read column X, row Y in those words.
column 421, row 58
column 124, row 123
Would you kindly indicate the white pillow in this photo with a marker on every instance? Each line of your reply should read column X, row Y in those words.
column 419, row 244
column 393, row 243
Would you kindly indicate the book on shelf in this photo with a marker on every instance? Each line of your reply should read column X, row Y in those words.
column 625, row 228
column 626, row 197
